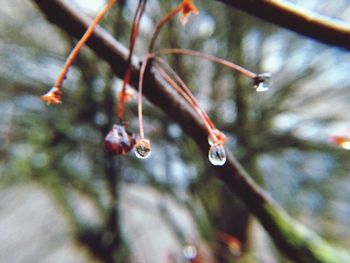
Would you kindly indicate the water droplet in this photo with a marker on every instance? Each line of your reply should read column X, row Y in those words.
column 190, row 252
column 143, row 149
column 217, row 155
column 216, row 137
column 262, row 82
column 119, row 141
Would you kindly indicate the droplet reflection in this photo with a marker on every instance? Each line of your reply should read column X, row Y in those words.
column 262, row 82
column 190, row 252
column 143, row 149
column 217, row 155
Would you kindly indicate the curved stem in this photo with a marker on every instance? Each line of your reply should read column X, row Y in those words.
column 181, row 88
column 133, row 36
column 81, row 43
column 139, row 104
column 201, row 114
column 224, row 62
column 160, row 25
column 191, row 99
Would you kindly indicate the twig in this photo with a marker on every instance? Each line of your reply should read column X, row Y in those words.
column 133, row 37
column 82, row 41
column 214, row 59
column 288, row 15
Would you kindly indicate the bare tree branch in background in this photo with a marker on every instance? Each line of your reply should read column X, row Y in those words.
column 294, row 18
column 292, row 238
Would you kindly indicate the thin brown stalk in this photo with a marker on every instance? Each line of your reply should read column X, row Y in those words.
column 160, row 25
column 133, row 37
column 224, row 62
column 174, row 85
column 142, row 73
column 81, row 43
column 192, row 100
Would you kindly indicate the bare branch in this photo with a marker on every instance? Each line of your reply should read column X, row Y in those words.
column 292, row 238
column 295, row 18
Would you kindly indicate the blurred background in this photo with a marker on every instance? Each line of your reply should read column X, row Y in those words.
column 63, row 198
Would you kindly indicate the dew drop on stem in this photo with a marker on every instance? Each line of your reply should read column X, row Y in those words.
column 216, row 137
column 262, row 82
column 143, row 149
column 217, row 155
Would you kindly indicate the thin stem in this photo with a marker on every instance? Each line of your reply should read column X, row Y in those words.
column 160, row 25
column 139, row 104
column 168, row 79
column 217, row 60
column 135, row 27
column 133, row 36
column 121, row 101
column 184, row 87
column 156, row 32
column 82, row 41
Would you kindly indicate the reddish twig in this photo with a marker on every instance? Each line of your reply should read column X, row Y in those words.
column 53, row 96
column 224, row 62
column 133, row 37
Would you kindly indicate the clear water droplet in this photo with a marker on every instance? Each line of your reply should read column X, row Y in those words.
column 190, row 252
column 262, row 82
column 118, row 140
column 143, row 149
column 216, row 137
column 217, row 155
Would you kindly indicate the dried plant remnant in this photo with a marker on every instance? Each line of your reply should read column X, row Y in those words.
column 184, row 9
column 119, row 141
column 187, row 8
column 53, row 96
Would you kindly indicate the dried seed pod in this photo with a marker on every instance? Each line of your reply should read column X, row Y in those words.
column 119, row 141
